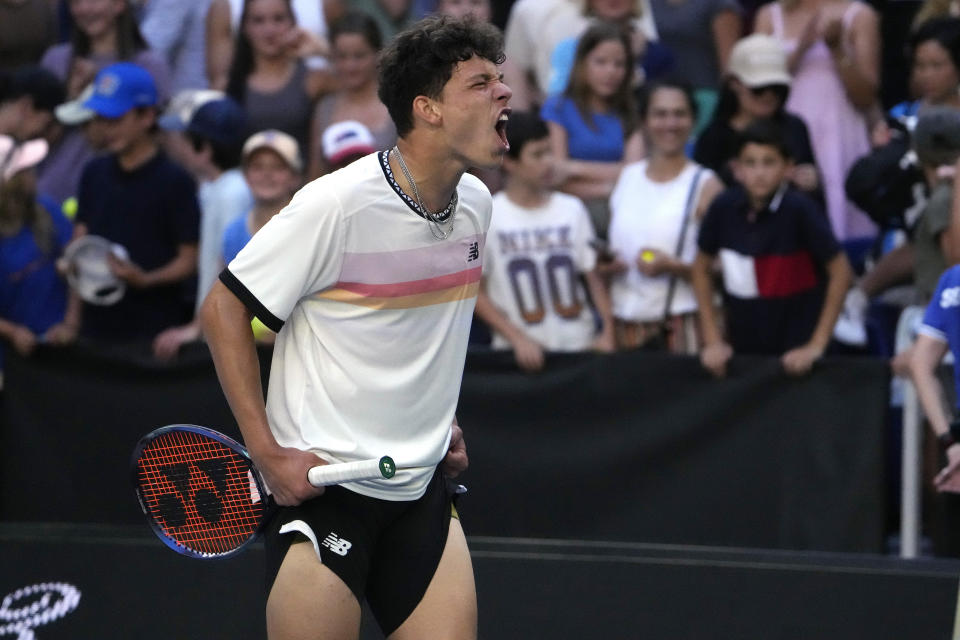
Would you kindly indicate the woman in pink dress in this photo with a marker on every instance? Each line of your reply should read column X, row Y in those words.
column 833, row 48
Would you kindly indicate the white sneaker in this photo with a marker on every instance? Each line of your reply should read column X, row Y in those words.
column 851, row 328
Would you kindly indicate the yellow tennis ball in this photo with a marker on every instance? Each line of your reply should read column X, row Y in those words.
column 647, row 256
column 260, row 330
column 69, row 208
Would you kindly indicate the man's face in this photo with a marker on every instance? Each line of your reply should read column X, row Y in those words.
column 474, row 109
column 122, row 134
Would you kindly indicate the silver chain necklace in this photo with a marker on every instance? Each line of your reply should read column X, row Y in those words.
column 434, row 221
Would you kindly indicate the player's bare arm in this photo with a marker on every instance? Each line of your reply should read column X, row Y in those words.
column 226, row 326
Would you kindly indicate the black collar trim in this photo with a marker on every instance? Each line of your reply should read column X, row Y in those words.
column 392, row 181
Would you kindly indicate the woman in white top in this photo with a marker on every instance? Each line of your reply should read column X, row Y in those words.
column 655, row 201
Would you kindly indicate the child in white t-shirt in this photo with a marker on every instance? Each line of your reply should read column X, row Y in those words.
column 537, row 257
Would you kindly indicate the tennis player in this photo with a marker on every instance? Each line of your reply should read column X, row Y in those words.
column 369, row 276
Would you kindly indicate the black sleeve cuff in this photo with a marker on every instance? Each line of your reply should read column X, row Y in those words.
column 250, row 301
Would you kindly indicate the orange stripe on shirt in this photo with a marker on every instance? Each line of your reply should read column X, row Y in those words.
column 441, row 296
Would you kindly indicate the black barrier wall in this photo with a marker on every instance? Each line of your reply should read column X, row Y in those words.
column 77, row 583
column 631, row 447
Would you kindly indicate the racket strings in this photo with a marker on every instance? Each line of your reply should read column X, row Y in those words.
column 200, row 492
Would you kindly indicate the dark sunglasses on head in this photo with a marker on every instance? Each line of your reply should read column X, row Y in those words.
column 779, row 89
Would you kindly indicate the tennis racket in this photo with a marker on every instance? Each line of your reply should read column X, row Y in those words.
column 203, row 496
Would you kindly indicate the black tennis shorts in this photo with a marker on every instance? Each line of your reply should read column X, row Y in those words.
column 385, row 551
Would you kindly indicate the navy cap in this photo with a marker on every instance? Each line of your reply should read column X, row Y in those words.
column 221, row 121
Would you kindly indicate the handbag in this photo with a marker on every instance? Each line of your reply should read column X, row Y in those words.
column 660, row 340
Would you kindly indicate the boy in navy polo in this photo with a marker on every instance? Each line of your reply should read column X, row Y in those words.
column 136, row 197
column 784, row 274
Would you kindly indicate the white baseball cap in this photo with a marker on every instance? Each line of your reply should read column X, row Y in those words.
column 184, row 105
column 348, row 138
column 88, row 270
column 73, row 113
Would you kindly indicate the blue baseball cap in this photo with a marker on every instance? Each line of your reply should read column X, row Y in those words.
column 121, row 87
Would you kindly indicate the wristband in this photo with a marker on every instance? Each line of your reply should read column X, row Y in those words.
column 946, row 440
column 954, row 429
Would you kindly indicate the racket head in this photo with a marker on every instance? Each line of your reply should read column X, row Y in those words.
column 199, row 490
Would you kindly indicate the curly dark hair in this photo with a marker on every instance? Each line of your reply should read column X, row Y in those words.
column 421, row 60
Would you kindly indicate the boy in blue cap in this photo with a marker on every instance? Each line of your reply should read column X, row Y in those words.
column 136, row 197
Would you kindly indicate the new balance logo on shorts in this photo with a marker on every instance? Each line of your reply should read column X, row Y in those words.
column 336, row 544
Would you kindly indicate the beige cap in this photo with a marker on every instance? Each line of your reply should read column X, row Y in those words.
column 759, row 60
column 281, row 143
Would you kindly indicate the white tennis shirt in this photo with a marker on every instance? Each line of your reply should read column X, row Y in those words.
column 375, row 314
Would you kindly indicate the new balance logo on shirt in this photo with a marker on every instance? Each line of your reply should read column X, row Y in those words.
column 473, row 252
column 336, row 544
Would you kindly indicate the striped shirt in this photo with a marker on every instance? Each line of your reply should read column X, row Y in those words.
column 373, row 314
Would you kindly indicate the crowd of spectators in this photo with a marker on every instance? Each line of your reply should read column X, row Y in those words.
column 699, row 176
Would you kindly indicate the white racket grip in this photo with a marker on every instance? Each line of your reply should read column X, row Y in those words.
column 374, row 468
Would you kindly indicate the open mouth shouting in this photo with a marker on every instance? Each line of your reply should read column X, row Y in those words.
column 501, row 128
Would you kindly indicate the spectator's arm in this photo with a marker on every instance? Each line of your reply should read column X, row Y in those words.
column 167, row 343
column 727, row 28
column 601, row 300
column 219, row 43
column 317, row 165
column 528, row 353
column 763, row 22
column 572, row 170
column 634, row 149
column 226, row 326
column 183, row 265
column 21, row 338
column 839, row 275
column 950, row 238
column 66, row 331
column 702, row 284
column 859, row 65
column 712, row 187
column 162, row 27
column 925, row 357
column 716, row 352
